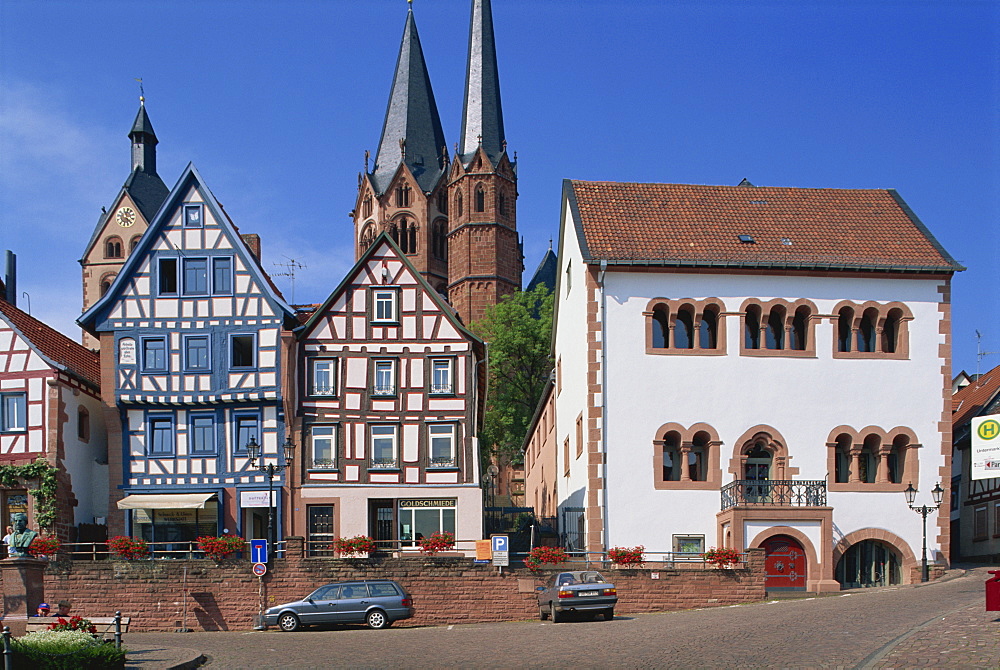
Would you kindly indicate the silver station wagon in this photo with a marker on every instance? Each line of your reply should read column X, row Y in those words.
column 584, row 591
column 374, row 602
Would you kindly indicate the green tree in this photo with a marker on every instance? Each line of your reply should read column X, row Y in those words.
column 518, row 331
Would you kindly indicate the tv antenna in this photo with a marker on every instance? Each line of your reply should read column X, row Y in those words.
column 980, row 354
column 290, row 267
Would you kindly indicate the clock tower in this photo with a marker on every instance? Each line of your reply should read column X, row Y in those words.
column 119, row 228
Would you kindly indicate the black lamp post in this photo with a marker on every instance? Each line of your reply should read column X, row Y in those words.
column 270, row 469
column 923, row 511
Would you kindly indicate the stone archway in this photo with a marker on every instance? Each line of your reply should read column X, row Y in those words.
column 908, row 561
column 812, row 562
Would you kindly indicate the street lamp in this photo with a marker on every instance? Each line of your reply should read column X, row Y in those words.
column 923, row 511
column 271, row 469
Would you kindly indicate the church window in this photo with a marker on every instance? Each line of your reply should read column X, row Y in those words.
column 167, row 271
column 13, row 412
column 458, row 200
column 751, row 327
column 113, row 247
column 774, row 336
column 442, row 201
column 324, row 376
column 241, row 351
column 502, row 203
column 384, row 305
column 201, row 433
column 161, row 435
column 154, row 354
column 366, row 207
column 193, row 216
column 222, row 275
column 134, row 243
column 403, row 196
column 83, row 424
column 440, row 240
column 106, row 284
column 367, row 237
column 196, row 352
column 195, row 276
column 480, row 198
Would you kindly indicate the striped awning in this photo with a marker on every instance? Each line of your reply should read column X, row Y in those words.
column 165, row 501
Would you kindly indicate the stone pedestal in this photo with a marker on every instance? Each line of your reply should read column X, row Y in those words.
column 23, row 590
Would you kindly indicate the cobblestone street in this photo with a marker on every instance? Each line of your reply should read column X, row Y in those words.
column 938, row 625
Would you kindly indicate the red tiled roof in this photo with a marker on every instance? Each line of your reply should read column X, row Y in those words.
column 968, row 401
column 77, row 359
column 691, row 225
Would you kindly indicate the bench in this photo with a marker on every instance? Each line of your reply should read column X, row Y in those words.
column 105, row 624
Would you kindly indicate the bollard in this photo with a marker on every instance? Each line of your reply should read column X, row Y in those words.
column 118, row 629
column 993, row 592
column 8, row 653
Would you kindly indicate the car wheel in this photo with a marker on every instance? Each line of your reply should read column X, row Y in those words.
column 609, row 614
column 542, row 613
column 556, row 617
column 377, row 619
column 288, row 622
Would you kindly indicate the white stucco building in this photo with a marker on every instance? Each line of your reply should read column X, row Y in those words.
column 752, row 367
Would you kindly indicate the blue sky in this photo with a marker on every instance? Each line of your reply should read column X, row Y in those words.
column 276, row 103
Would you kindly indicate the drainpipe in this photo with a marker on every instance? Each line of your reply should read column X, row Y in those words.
column 604, row 394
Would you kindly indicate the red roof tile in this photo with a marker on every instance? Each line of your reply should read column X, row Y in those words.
column 691, row 225
column 968, row 401
column 74, row 357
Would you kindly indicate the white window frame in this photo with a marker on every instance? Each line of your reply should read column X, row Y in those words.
column 437, row 432
column 388, row 432
column 385, row 305
column 14, row 414
column 385, row 367
column 314, row 368
column 318, row 435
column 447, row 365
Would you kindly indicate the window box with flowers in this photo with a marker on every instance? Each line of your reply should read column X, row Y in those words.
column 627, row 557
column 128, row 548
column 74, row 623
column 438, row 541
column 722, row 558
column 43, row 547
column 540, row 556
column 359, row 546
column 220, row 547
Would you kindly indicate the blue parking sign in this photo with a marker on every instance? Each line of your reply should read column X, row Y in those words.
column 500, row 543
column 258, row 551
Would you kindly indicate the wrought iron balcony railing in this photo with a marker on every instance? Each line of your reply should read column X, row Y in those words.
column 443, row 462
column 774, row 493
column 441, row 389
column 384, row 464
column 384, row 390
column 323, row 464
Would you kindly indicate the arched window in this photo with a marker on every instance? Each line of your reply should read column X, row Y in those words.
column 113, row 247
column 896, row 461
column 672, row 457
column 83, row 424
column 868, row 460
column 403, row 196
column 443, row 202
column 698, row 457
column 106, row 284
column 133, row 243
column 413, row 238
column 751, row 329
column 842, row 458
column 661, row 328
column 502, row 203
column 800, row 329
column 757, row 471
column 394, row 232
column 866, row 330
column 845, row 325
column 775, row 334
column 890, row 331
column 480, row 198
column 367, row 237
column 708, row 329
column 439, row 240
column 684, row 328
column 458, row 201
column 366, row 207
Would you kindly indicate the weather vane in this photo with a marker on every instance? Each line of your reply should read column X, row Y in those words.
column 142, row 94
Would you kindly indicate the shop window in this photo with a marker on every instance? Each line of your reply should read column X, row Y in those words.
column 417, row 521
column 176, row 525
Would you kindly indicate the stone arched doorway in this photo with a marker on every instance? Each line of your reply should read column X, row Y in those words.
column 785, row 564
column 869, row 562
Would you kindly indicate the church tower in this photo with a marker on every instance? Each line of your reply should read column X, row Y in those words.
column 483, row 249
column 120, row 227
column 405, row 193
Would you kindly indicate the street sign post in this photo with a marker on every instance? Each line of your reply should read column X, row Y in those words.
column 501, row 550
column 985, row 447
column 258, row 551
column 259, row 569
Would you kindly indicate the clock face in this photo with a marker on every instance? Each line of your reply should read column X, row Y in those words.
column 125, row 217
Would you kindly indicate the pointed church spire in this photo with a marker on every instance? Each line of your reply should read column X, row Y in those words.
column 482, row 117
column 143, row 141
column 412, row 129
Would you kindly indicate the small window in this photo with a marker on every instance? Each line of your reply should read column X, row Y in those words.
column 134, row 243
column 383, row 447
column 241, row 353
column 83, row 424
column 579, row 435
column 13, row 412
column 384, row 378
column 195, row 276
column 708, row 329
column 222, row 276
column 106, row 284
column 113, row 247
column 246, row 428
column 441, row 377
column 458, row 200
column 384, row 305
column 168, row 276
column 324, row 440
column 774, row 336
column 442, row 201
column 154, row 354
column 866, row 331
column 161, row 435
column 890, row 331
column 201, row 431
column 800, row 329
column 672, row 457
column 324, row 376
column 502, row 203
column 751, row 336
column 661, row 328
column 684, row 329
column 845, row 327
column 480, row 198
column 979, row 524
column 442, row 444
column 193, row 216
column 196, row 352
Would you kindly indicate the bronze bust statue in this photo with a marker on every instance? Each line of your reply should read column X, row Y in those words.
column 21, row 537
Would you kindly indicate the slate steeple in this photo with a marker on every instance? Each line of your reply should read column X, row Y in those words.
column 143, row 141
column 482, row 116
column 412, row 131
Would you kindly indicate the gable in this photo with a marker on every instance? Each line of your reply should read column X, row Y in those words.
column 109, row 225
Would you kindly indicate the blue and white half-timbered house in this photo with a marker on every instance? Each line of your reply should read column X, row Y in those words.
column 193, row 341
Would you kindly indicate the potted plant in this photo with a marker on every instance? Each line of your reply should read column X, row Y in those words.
column 221, row 546
column 723, row 557
column 128, row 548
column 627, row 556
column 42, row 547
column 544, row 556
column 436, row 542
column 359, row 546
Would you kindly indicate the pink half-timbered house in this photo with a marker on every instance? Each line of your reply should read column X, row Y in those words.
column 390, row 397
column 50, row 408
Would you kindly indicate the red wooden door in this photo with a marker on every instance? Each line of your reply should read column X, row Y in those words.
column 784, row 565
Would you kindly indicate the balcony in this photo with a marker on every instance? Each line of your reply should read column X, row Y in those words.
column 774, row 493
column 383, row 390
column 442, row 389
column 384, row 464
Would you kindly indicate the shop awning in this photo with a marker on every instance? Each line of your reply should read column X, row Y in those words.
column 165, row 501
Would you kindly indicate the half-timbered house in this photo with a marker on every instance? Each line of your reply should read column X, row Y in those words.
column 50, row 409
column 192, row 355
column 390, row 397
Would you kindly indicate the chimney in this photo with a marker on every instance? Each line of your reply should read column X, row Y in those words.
column 253, row 243
column 10, row 279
